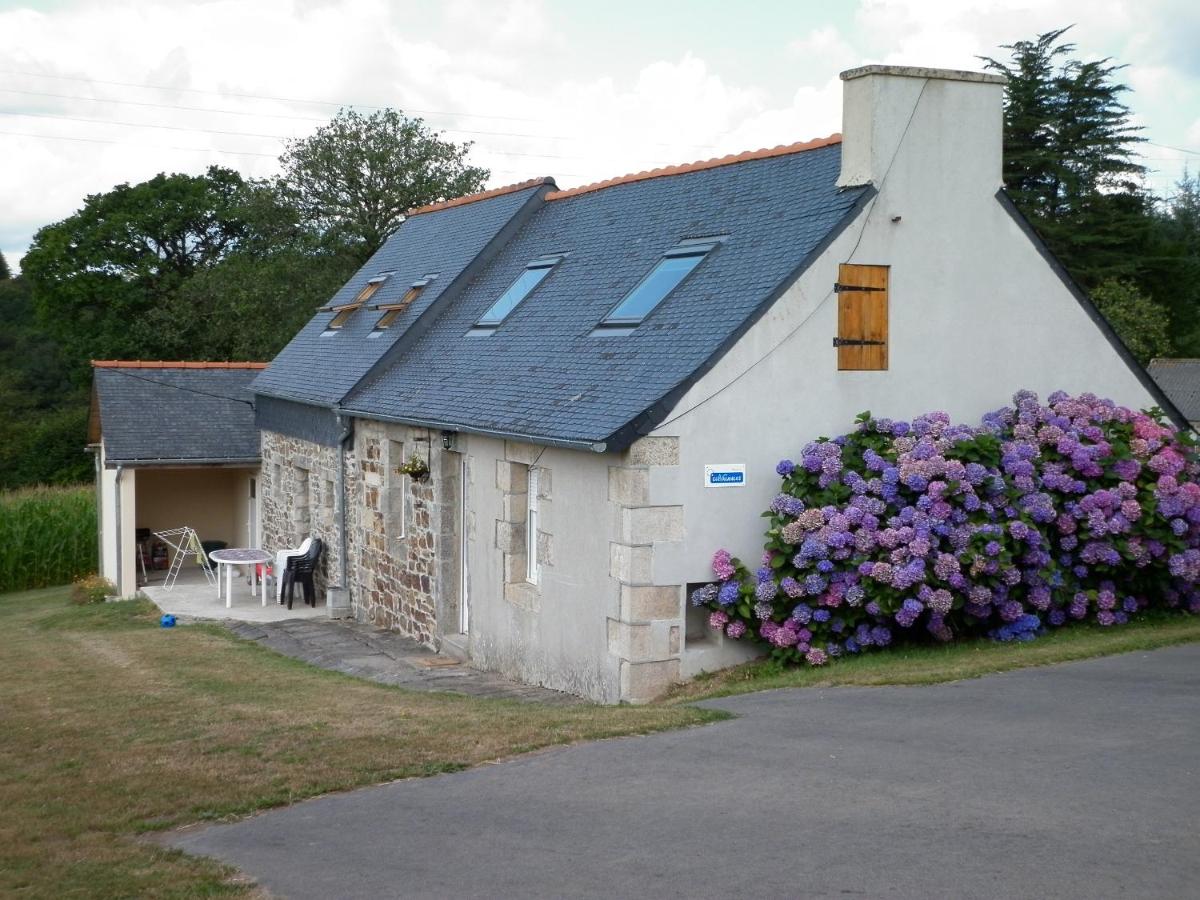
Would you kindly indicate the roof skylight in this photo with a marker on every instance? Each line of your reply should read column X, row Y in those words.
column 676, row 264
column 529, row 279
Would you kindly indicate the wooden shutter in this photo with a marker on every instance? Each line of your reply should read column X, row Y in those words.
column 862, row 316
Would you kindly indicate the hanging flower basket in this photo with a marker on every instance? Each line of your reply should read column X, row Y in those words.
column 416, row 468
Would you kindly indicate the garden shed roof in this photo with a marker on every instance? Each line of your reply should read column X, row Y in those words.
column 174, row 413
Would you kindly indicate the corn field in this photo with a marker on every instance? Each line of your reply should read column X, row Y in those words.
column 47, row 536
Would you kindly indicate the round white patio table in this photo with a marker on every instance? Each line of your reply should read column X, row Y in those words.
column 239, row 556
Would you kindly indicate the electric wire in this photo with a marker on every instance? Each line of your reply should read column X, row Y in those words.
column 277, row 137
column 266, row 115
column 60, row 137
column 347, row 104
column 129, row 374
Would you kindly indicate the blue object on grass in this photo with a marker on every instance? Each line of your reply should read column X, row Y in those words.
column 167, row 621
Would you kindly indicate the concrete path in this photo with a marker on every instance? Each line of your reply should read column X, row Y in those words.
column 367, row 652
column 1078, row 781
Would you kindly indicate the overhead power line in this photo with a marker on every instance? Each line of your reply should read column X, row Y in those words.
column 143, row 103
column 1176, row 149
column 277, row 137
column 160, row 87
column 60, row 137
column 348, row 104
column 522, row 173
column 239, row 112
column 34, row 115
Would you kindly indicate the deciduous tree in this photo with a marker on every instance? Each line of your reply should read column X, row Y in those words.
column 356, row 177
column 1143, row 325
column 102, row 277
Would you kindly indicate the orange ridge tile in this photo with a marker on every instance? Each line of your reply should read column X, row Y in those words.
column 162, row 364
column 482, row 195
column 698, row 166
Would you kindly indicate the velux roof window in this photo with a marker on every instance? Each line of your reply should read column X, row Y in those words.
column 392, row 310
column 529, row 279
column 676, row 264
column 346, row 310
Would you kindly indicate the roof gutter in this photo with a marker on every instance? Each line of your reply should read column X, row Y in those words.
column 545, row 440
column 292, row 398
column 235, row 461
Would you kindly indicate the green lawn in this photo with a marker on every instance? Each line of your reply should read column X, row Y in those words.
column 950, row 662
column 111, row 727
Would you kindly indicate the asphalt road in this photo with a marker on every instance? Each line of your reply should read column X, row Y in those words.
column 1079, row 780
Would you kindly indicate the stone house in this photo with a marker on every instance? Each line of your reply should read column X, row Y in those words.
column 600, row 380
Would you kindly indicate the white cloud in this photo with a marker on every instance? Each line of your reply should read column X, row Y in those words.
column 498, row 72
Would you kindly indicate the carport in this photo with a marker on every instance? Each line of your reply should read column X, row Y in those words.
column 175, row 446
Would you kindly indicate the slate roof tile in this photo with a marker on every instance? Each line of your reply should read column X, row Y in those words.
column 176, row 411
column 544, row 372
column 1180, row 381
column 323, row 370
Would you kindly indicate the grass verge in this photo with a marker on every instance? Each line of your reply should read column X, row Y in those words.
column 949, row 662
column 111, row 727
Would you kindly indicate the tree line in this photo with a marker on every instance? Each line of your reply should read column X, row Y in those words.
column 201, row 267
column 221, row 267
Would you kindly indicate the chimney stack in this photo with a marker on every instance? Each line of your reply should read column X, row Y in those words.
column 945, row 122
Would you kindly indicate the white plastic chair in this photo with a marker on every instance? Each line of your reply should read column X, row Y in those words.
column 281, row 560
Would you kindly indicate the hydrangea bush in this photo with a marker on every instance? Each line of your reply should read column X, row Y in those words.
column 1043, row 515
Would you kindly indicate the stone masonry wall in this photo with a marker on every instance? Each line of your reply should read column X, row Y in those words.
column 298, row 499
column 647, row 635
column 391, row 519
column 401, row 532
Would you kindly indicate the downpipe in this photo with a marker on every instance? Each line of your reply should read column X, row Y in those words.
column 337, row 601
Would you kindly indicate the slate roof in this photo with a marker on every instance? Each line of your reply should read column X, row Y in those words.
column 544, row 373
column 323, row 370
column 174, row 413
column 1180, row 381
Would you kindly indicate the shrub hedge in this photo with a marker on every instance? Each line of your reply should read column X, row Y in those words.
column 1078, row 509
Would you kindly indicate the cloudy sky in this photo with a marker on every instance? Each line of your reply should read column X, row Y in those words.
column 93, row 93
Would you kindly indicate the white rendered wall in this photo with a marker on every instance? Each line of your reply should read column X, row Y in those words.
column 108, row 521
column 118, row 560
column 554, row 635
column 975, row 314
column 118, row 553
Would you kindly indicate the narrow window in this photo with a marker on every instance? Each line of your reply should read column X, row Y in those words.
column 346, row 310
column 531, row 527
column 392, row 310
column 862, row 338
column 395, row 519
column 533, row 275
column 668, row 274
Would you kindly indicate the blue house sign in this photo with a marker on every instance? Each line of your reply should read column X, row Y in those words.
column 724, row 475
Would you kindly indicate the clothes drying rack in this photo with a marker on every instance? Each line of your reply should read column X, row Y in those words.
column 184, row 542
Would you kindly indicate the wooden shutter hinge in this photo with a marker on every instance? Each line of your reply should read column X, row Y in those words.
column 856, row 342
column 839, row 288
